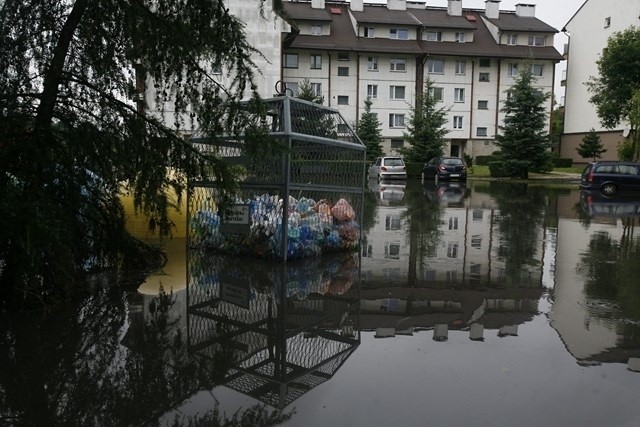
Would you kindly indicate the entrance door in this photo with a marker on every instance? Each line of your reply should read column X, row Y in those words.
column 455, row 151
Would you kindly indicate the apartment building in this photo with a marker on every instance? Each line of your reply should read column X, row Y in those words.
column 351, row 51
column 589, row 30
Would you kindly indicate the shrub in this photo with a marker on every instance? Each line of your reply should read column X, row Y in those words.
column 497, row 169
column 483, row 160
column 562, row 162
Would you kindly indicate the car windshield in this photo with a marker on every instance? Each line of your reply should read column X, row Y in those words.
column 452, row 161
column 393, row 162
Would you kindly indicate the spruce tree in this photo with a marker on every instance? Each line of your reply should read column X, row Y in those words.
column 523, row 139
column 591, row 146
column 368, row 130
column 425, row 130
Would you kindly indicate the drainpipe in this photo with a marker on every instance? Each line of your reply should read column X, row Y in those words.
column 357, row 88
column 495, row 130
column 329, row 80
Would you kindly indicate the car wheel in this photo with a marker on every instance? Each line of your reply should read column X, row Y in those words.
column 379, row 178
column 609, row 189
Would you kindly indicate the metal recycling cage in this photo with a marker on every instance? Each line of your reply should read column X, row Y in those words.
column 317, row 177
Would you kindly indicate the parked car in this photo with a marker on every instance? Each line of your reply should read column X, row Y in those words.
column 388, row 192
column 445, row 168
column 611, row 177
column 390, row 167
column 447, row 193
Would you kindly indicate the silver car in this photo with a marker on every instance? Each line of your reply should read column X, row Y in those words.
column 391, row 167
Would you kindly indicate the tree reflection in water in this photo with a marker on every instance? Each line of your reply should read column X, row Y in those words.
column 94, row 366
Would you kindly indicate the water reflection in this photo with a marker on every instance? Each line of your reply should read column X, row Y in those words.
column 285, row 328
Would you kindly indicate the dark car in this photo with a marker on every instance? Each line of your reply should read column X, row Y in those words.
column 611, row 177
column 445, row 168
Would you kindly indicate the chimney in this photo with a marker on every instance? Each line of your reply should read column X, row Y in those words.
column 357, row 5
column 526, row 10
column 454, row 8
column 317, row 4
column 397, row 4
column 492, row 9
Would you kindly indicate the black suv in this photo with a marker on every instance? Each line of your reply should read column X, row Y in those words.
column 610, row 177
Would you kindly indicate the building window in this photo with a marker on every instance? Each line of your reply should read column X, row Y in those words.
column 452, row 249
column 460, row 37
column 513, row 70
column 458, row 94
column 316, row 62
column 481, row 132
column 291, row 88
column 437, row 93
column 369, row 32
column 343, row 56
column 396, row 92
column 435, row 66
column 536, row 70
column 343, row 128
column 483, row 105
column 396, row 120
column 399, row 33
column 512, row 39
column 343, row 100
column 483, row 77
column 316, row 30
column 434, row 36
column 476, row 241
column 477, row 214
column 461, row 68
column 457, row 122
column 536, row 41
column 397, row 143
column 316, row 88
column 484, row 62
column 607, row 22
column 392, row 222
column 372, row 63
column 290, row 60
column 398, row 64
column 372, row 91
column 343, row 71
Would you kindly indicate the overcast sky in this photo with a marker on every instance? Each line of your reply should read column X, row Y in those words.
column 554, row 12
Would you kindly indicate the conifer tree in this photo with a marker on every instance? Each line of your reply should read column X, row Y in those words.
column 425, row 130
column 591, row 146
column 368, row 130
column 523, row 139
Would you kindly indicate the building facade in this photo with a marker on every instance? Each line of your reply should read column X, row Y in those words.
column 589, row 30
column 353, row 51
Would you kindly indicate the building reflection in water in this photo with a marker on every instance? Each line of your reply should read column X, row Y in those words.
column 280, row 329
column 443, row 260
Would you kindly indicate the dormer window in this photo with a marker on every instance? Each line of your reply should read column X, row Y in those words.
column 316, row 30
column 434, row 36
column 399, row 34
column 536, row 41
column 459, row 37
column 512, row 39
column 369, row 32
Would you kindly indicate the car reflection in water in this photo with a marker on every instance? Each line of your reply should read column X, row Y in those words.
column 595, row 204
column 447, row 193
column 388, row 192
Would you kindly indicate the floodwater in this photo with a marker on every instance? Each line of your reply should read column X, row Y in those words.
column 483, row 304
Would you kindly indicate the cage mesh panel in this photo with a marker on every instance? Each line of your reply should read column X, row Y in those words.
column 319, row 158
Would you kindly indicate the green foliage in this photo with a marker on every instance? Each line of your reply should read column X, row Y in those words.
column 483, row 160
column 626, row 150
column 368, row 130
column 562, row 162
column 306, row 92
column 425, row 130
column 591, row 146
column 618, row 78
column 557, row 126
column 498, row 169
column 524, row 141
column 72, row 138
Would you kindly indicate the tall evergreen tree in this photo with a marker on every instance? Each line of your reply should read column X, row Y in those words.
column 368, row 130
column 425, row 130
column 72, row 137
column 306, row 92
column 591, row 146
column 523, row 140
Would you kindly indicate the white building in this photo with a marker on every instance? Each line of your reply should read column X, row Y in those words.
column 351, row 51
column 589, row 30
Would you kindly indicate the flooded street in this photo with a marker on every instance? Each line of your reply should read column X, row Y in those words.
column 484, row 304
